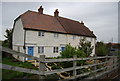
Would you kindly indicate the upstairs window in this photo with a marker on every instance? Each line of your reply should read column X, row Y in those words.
column 56, row 35
column 81, row 37
column 40, row 33
column 55, row 49
column 40, row 49
column 74, row 37
column 91, row 39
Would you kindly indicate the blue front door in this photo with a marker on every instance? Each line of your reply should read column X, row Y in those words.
column 30, row 51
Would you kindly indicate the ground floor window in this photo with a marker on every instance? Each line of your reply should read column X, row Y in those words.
column 55, row 49
column 40, row 49
column 62, row 48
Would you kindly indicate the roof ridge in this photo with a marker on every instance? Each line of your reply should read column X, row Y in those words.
column 41, row 14
column 49, row 15
column 69, row 19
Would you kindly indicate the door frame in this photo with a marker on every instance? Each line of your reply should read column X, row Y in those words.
column 29, row 52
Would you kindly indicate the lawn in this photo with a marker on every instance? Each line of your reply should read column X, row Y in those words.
column 10, row 61
column 8, row 74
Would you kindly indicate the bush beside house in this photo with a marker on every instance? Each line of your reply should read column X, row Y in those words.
column 101, row 49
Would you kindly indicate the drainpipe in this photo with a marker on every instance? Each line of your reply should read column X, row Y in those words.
column 24, row 47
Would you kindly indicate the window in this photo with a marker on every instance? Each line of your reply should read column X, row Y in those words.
column 62, row 48
column 55, row 49
column 41, row 49
column 81, row 37
column 91, row 39
column 41, row 33
column 84, row 38
column 74, row 37
column 18, row 49
column 56, row 35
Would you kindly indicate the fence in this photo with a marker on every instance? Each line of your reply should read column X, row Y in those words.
column 110, row 64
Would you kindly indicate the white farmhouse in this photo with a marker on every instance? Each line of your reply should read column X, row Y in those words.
column 35, row 33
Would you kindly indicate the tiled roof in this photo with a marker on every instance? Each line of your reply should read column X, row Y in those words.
column 36, row 21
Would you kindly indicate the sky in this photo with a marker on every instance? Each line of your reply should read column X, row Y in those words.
column 99, row 17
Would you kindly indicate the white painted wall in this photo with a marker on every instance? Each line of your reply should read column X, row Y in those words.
column 49, row 41
column 18, row 37
column 18, row 33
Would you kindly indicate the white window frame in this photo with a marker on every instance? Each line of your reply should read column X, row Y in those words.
column 40, row 49
column 56, row 35
column 55, row 49
column 41, row 33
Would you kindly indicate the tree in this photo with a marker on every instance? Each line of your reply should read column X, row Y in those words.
column 8, row 36
column 85, row 46
column 101, row 49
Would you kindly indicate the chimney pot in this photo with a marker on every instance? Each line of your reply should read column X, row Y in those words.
column 82, row 22
column 56, row 13
column 40, row 10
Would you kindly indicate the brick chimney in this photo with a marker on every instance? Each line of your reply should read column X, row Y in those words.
column 82, row 22
column 40, row 10
column 56, row 13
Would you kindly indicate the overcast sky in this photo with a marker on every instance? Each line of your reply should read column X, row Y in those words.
column 99, row 17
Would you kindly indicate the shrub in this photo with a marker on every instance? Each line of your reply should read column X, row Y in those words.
column 101, row 49
column 70, row 51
